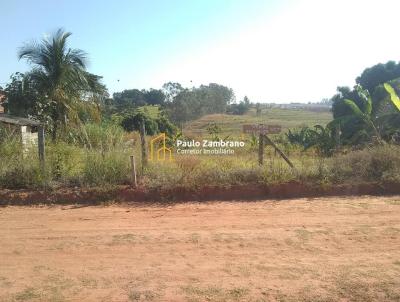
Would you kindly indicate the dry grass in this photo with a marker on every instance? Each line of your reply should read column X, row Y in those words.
column 232, row 124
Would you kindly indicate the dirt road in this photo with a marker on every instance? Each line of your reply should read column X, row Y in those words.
column 325, row 249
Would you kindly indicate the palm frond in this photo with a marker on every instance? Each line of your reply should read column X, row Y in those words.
column 354, row 108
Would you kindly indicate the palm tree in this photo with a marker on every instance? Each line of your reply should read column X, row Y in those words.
column 60, row 76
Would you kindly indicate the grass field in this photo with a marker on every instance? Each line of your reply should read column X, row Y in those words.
column 232, row 124
column 324, row 249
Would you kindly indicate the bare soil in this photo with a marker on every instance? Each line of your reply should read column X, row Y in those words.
column 315, row 249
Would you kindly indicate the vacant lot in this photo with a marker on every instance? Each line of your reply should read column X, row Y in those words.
column 233, row 124
column 325, row 249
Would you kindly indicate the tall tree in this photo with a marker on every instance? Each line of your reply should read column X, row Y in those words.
column 154, row 96
column 60, row 75
column 21, row 96
column 378, row 74
column 129, row 99
column 171, row 90
column 190, row 104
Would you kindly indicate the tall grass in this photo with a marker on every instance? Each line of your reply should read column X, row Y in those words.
column 105, row 136
column 98, row 155
column 381, row 163
column 92, row 156
column 108, row 168
column 18, row 170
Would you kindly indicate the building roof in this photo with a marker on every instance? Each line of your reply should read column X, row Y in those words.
column 16, row 120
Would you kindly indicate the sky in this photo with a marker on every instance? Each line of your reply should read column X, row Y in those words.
column 272, row 51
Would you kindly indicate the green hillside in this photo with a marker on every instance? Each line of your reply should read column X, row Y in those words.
column 232, row 124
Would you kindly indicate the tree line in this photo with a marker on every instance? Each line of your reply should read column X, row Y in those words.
column 368, row 113
column 60, row 92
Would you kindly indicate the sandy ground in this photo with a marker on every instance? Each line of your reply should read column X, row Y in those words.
column 324, row 249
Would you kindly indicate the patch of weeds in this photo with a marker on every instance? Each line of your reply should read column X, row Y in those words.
column 303, row 234
column 217, row 237
column 362, row 291
column 65, row 245
column 391, row 231
column 228, row 268
column 27, row 294
column 38, row 268
column 145, row 295
column 262, row 267
column 364, row 286
column 364, row 228
column 237, row 293
column 323, row 232
column 210, row 293
column 4, row 282
column 194, row 238
column 393, row 202
column 226, row 237
column 304, row 295
column 288, row 275
column 363, row 205
column 123, row 239
column 244, row 270
column 88, row 282
column 55, row 285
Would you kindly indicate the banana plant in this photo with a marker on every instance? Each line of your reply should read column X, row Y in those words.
column 387, row 110
column 393, row 97
column 359, row 121
column 319, row 137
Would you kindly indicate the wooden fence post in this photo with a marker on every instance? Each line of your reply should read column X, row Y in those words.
column 143, row 145
column 133, row 166
column 261, row 150
column 41, row 141
column 279, row 151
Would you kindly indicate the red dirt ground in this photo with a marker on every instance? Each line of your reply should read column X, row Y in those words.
column 322, row 249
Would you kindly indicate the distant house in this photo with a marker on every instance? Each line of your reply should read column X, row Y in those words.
column 30, row 131
column 26, row 128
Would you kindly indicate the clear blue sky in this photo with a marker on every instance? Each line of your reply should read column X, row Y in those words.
column 253, row 46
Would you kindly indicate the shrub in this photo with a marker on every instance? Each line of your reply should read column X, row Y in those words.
column 381, row 163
